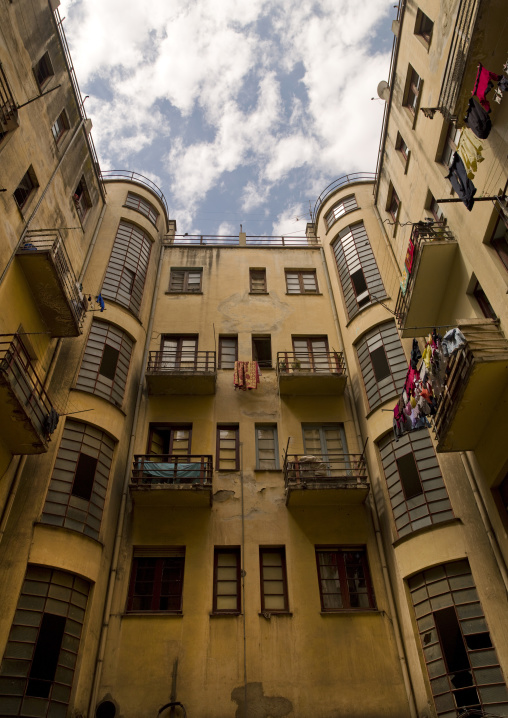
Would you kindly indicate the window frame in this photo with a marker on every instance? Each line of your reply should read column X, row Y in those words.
column 281, row 550
column 347, row 204
column 219, row 448
column 422, row 29
column 169, row 428
column 236, row 550
column 156, row 595
column 82, row 202
column 393, row 204
column 180, row 276
column 222, row 339
column 183, row 358
column 30, row 179
column 344, row 591
column 140, row 204
column 449, row 144
column 276, row 460
column 413, row 91
column 387, row 336
column 62, row 125
column 261, row 279
column 43, row 70
column 401, row 146
column 300, row 275
column 263, row 363
column 500, row 244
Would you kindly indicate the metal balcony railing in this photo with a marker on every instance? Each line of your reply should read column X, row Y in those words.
column 181, row 362
column 422, row 233
column 312, row 362
column 330, row 469
column 159, row 469
column 264, row 241
column 18, row 372
column 341, row 182
column 51, row 243
column 138, row 179
column 8, row 107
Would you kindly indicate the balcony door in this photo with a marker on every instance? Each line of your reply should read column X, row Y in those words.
column 311, row 354
column 327, row 442
column 179, row 352
column 171, row 440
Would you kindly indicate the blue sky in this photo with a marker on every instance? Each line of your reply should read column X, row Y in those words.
column 242, row 111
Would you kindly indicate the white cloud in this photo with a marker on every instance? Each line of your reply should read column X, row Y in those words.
column 291, row 221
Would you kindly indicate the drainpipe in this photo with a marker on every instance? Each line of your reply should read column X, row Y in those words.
column 92, row 244
column 99, row 661
column 13, row 489
column 375, row 515
column 471, row 475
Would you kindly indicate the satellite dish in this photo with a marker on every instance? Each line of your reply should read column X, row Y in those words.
column 383, row 90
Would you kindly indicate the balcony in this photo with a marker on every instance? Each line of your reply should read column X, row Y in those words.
column 28, row 415
column 471, row 401
column 308, row 374
column 49, row 274
column 8, row 107
column 181, row 372
column 325, row 480
column 424, row 301
column 163, row 480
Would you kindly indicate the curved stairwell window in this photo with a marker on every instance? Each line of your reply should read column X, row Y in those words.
column 383, row 363
column 358, row 271
column 128, row 264
column 347, row 204
column 79, row 483
column 416, row 489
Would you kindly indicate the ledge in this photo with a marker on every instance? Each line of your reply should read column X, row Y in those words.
column 145, row 614
column 267, row 615
column 225, row 614
column 352, row 612
column 426, row 529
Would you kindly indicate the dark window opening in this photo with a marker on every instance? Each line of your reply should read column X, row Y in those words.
column 262, row 351
column 109, row 362
column 424, row 26
column 43, row 70
column 344, row 579
column 82, row 200
column 156, row 584
column 485, row 305
column 409, row 476
column 84, row 477
column 61, row 126
column 477, row 641
column 360, row 287
column 45, row 660
column 500, row 241
column 25, row 188
column 380, row 364
column 452, row 643
column 170, row 440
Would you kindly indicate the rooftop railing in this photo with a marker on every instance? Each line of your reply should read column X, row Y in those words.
column 181, row 362
column 265, row 241
column 337, row 184
column 139, row 179
column 160, row 469
column 329, row 469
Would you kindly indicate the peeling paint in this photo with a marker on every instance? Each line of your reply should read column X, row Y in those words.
column 223, row 495
column 259, row 705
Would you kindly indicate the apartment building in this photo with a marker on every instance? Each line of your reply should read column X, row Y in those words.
column 206, row 508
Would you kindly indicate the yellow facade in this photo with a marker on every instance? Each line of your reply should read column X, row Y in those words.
column 172, row 543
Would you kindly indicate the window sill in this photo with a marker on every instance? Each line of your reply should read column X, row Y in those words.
column 183, row 293
column 304, row 294
column 262, row 293
column 166, row 614
column 272, row 614
column 385, row 298
column 350, row 612
column 225, row 614
column 267, row 471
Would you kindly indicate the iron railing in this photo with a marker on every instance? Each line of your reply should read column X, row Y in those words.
column 421, row 233
column 181, row 362
column 157, row 469
column 19, row 374
column 457, row 57
column 51, row 243
column 311, row 362
column 337, row 184
column 138, row 179
column 329, row 469
column 265, row 241
column 8, row 107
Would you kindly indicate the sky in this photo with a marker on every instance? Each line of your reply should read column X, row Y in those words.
column 241, row 111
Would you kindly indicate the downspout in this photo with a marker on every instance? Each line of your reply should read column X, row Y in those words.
column 92, row 244
column 377, row 528
column 99, row 661
column 13, row 489
column 470, row 473
column 243, row 574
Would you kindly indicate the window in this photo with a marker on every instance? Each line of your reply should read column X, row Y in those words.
column 348, row 204
column 262, row 350
column 26, row 187
column 228, row 352
column 41, row 653
column 418, row 496
column 179, row 352
column 436, row 210
column 267, row 452
column 344, row 580
column 228, row 447
column 424, row 26
column 358, row 271
column 485, row 305
column 401, row 146
column 142, row 205
column 105, row 362
column 393, row 205
column 311, row 354
column 169, row 439
column 500, row 241
column 43, row 70
column 257, row 281
column 82, row 201
column 128, row 264
column 274, row 586
column 79, row 483
column 383, row 364
column 301, row 282
column 450, row 144
column 226, row 580
column 413, row 90
column 157, row 581
column 60, row 126
column 185, row 281
column 461, row 660
column 324, row 440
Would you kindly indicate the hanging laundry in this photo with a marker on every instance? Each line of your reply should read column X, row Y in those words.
column 416, row 354
column 460, row 182
column 404, row 280
column 409, row 256
column 246, row 375
column 100, row 302
column 453, row 340
column 470, row 151
column 478, row 120
column 50, row 422
column 483, row 84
